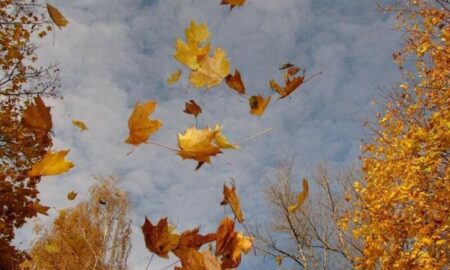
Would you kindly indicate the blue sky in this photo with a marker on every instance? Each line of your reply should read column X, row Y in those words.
column 115, row 52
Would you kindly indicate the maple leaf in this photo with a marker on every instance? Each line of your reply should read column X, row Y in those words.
column 82, row 126
column 192, row 108
column 231, row 198
column 192, row 239
column 196, row 34
column 139, row 124
column 221, row 140
column 211, row 70
column 38, row 118
column 300, row 198
column 197, row 144
column 52, row 164
column 233, row 3
column 56, row 16
column 174, row 77
column 224, row 235
column 235, row 82
column 258, row 104
column 71, row 195
column 159, row 239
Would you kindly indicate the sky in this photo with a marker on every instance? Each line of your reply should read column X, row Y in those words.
column 117, row 52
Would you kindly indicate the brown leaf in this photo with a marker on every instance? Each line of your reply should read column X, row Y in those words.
column 293, row 70
column 258, row 104
column 233, row 3
column 231, row 198
column 159, row 239
column 224, row 235
column 192, row 239
column 56, row 16
column 192, row 108
column 235, row 82
column 301, row 197
column 71, row 195
column 38, row 118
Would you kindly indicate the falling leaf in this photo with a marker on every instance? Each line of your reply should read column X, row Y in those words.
column 224, row 235
column 139, row 124
column 258, row 104
column 197, row 33
column 174, row 77
column 240, row 244
column 192, row 108
column 300, row 198
column 38, row 118
column 39, row 208
column 293, row 70
column 211, row 70
column 291, row 84
column 192, row 239
column 159, row 239
column 233, row 3
column 52, row 164
column 56, row 16
column 72, row 195
column 197, row 144
column 286, row 66
column 235, row 82
column 82, row 126
column 189, row 54
column 221, row 140
column 231, row 198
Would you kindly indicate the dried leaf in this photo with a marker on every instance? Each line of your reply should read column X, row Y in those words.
column 192, row 108
column 291, row 84
column 174, row 77
column 231, row 198
column 197, row 33
column 211, row 70
column 278, row 259
column 139, row 124
column 224, row 235
column 233, row 3
column 159, row 239
column 300, row 198
column 56, row 16
column 235, row 82
column 258, row 104
column 192, row 239
column 38, row 118
column 52, row 164
column 293, row 70
column 82, row 126
column 72, row 195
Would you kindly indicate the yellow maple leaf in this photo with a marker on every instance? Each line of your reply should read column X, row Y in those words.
column 221, row 140
column 258, row 104
column 139, row 124
column 82, row 126
column 174, row 77
column 56, row 16
column 211, row 71
column 197, row 33
column 52, row 164
column 301, row 197
column 188, row 54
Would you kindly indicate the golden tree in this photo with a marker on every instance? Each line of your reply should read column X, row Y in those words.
column 404, row 197
column 95, row 234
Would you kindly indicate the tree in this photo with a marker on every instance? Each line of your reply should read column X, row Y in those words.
column 21, row 145
column 310, row 237
column 402, row 215
column 95, row 234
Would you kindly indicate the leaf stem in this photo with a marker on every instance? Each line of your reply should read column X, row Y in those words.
column 163, row 146
column 254, row 136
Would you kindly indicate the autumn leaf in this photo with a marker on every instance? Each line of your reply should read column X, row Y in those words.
column 197, row 33
column 258, row 104
column 300, row 198
column 38, row 118
column 56, row 16
column 278, row 259
column 231, row 198
column 139, row 124
column 192, row 108
column 188, row 53
column 197, row 144
column 72, row 195
column 39, row 208
column 221, row 141
column 192, row 239
column 233, row 3
column 159, row 239
column 211, row 70
column 240, row 244
column 235, row 82
column 174, row 77
column 291, row 84
column 52, row 164
column 293, row 70
column 224, row 235
column 82, row 126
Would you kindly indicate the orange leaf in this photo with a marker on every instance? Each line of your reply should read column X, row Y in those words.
column 258, row 104
column 224, row 235
column 300, row 198
column 52, row 164
column 233, row 3
column 192, row 108
column 291, row 84
column 192, row 239
column 56, row 16
column 82, row 126
column 159, row 239
column 139, row 124
column 231, row 198
column 174, row 77
column 38, row 118
column 235, row 82
column 293, row 70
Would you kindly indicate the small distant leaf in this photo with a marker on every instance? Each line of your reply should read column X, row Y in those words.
column 72, row 195
column 279, row 259
column 82, row 126
column 233, row 3
column 258, row 104
column 56, row 16
column 300, row 198
column 174, row 77
column 235, row 82
column 286, row 66
column 293, row 70
column 52, row 164
column 139, row 124
column 192, row 108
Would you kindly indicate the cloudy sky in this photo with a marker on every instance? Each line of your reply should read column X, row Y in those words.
column 115, row 52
